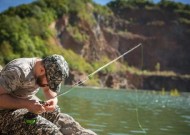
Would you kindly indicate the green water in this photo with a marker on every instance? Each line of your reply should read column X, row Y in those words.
column 118, row 112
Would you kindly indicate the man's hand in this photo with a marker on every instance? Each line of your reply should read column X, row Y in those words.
column 51, row 98
column 35, row 107
column 50, row 105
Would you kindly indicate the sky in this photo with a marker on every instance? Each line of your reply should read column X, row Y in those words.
column 4, row 4
column 103, row 2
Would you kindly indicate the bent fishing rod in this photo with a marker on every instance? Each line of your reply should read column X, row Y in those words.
column 31, row 118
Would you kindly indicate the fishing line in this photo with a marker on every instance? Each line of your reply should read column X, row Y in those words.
column 31, row 118
column 99, row 69
column 90, row 75
column 137, row 99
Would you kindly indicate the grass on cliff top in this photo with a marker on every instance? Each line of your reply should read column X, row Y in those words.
column 139, row 72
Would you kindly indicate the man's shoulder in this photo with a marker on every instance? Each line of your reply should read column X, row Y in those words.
column 22, row 61
column 21, row 65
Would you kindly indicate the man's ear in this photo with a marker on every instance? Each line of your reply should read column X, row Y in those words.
column 42, row 69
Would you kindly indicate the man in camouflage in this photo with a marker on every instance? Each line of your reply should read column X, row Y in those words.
column 20, row 80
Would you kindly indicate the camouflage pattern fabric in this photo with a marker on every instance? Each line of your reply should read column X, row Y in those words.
column 56, row 71
column 54, row 123
column 17, row 78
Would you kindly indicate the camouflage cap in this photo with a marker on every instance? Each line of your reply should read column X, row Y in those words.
column 56, row 70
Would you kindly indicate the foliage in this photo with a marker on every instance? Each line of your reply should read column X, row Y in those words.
column 183, row 13
column 24, row 30
column 102, row 10
column 157, row 66
column 184, row 21
column 134, row 4
column 29, row 35
column 114, row 67
column 76, row 62
column 115, row 4
column 131, row 4
column 94, row 81
column 77, row 34
column 6, row 52
column 174, row 92
column 59, row 7
column 170, row 5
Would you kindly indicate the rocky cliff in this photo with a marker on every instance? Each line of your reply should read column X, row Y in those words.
column 164, row 36
column 165, row 39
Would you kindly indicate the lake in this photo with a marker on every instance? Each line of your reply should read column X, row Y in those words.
column 128, row 112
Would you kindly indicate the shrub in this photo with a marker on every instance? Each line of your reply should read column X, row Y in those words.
column 184, row 21
column 113, row 68
column 76, row 33
column 76, row 62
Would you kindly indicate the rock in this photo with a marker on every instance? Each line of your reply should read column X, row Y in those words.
column 110, row 81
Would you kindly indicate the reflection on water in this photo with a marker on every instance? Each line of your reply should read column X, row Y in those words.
column 113, row 112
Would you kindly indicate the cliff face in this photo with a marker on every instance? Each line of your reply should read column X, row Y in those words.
column 166, row 83
column 165, row 42
column 164, row 39
column 92, row 48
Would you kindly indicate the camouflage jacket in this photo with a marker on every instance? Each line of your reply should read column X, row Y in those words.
column 17, row 78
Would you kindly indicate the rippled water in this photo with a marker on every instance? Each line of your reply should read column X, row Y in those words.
column 117, row 112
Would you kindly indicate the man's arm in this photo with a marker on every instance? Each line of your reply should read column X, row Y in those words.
column 49, row 94
column 8, row 101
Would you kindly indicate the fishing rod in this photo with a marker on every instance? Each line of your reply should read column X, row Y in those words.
column 99, row 69
column 31, row 118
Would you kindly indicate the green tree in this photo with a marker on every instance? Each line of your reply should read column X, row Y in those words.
column 6, row 52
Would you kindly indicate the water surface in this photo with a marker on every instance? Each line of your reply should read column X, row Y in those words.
column 126, row 112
